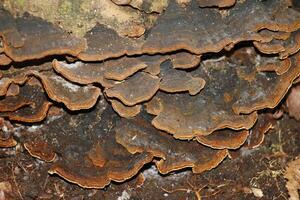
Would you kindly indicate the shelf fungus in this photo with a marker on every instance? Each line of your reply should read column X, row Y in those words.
column 30, row 105
column 40, row 150
column 283, row 46
column 217, row 3
column 138, row 135
column 269, row 91
column 271, row 64
column 4, row 60
column 29, row 37
column 74, row 96
column 87, row 153
column 173, row 80
column 136, row 89
column 179, row 27
column 148, row 6
column 100, row 92
column 185, row 60
column 18, row 75
column 83, row 73
column 123, row 110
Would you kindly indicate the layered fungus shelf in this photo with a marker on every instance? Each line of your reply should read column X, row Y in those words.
column 100, row 90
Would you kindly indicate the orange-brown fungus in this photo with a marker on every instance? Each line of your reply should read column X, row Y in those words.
column 187, row 116
column 18, row 75
column 273, row 64
column 30, row 105
column 173, row 83
column 87, row 153
column 264, row 123
column 13, row 90
column 138, row 135
column 136, row 89
column 122, row 68
column 40, row 149
column 224, row 139
column 75, row 97
column 173, row 80
column 184, row 60
column 104, row 43
column 284, row 47
column 125, row 111
column 179, row 28
column 153, row 63
column 278, row 35
column 4, row 60
column 30, row 37
column 148, row 6
column 217, row 3
column 83, row 73
column 269, row 89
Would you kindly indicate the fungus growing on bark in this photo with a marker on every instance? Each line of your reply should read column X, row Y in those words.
column 4, row 60
column 185, row 95
column 269, row 91
column 179, row 28
column 148, row 6
column 40, row 150
column 89, row 144
column 264, row 123
column 273, row 64
column 13, row 90
column 184, row 60
column 75, row 97
column 30, row 105
column 30, row 37
column 83, row 73
column 217, row 3
column 283, row 46
column 136, row 89
column 187, row 116
column 125, row 111
column 173, row 80
column 224, row 139
column 138, row 135
column 18, row 75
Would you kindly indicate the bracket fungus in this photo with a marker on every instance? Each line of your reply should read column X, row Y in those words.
column 18, row 75
column 29, row 37
column 173, row 81
column 139, row 136
column 74, row 96
column 283, row 46
column 132, row 92
column 40, row 150
column 148, row 6
column 123, row 110
column 30, row 105
column 175, row 84
column 88, row 143
column 217, row 3
column 4, row 60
